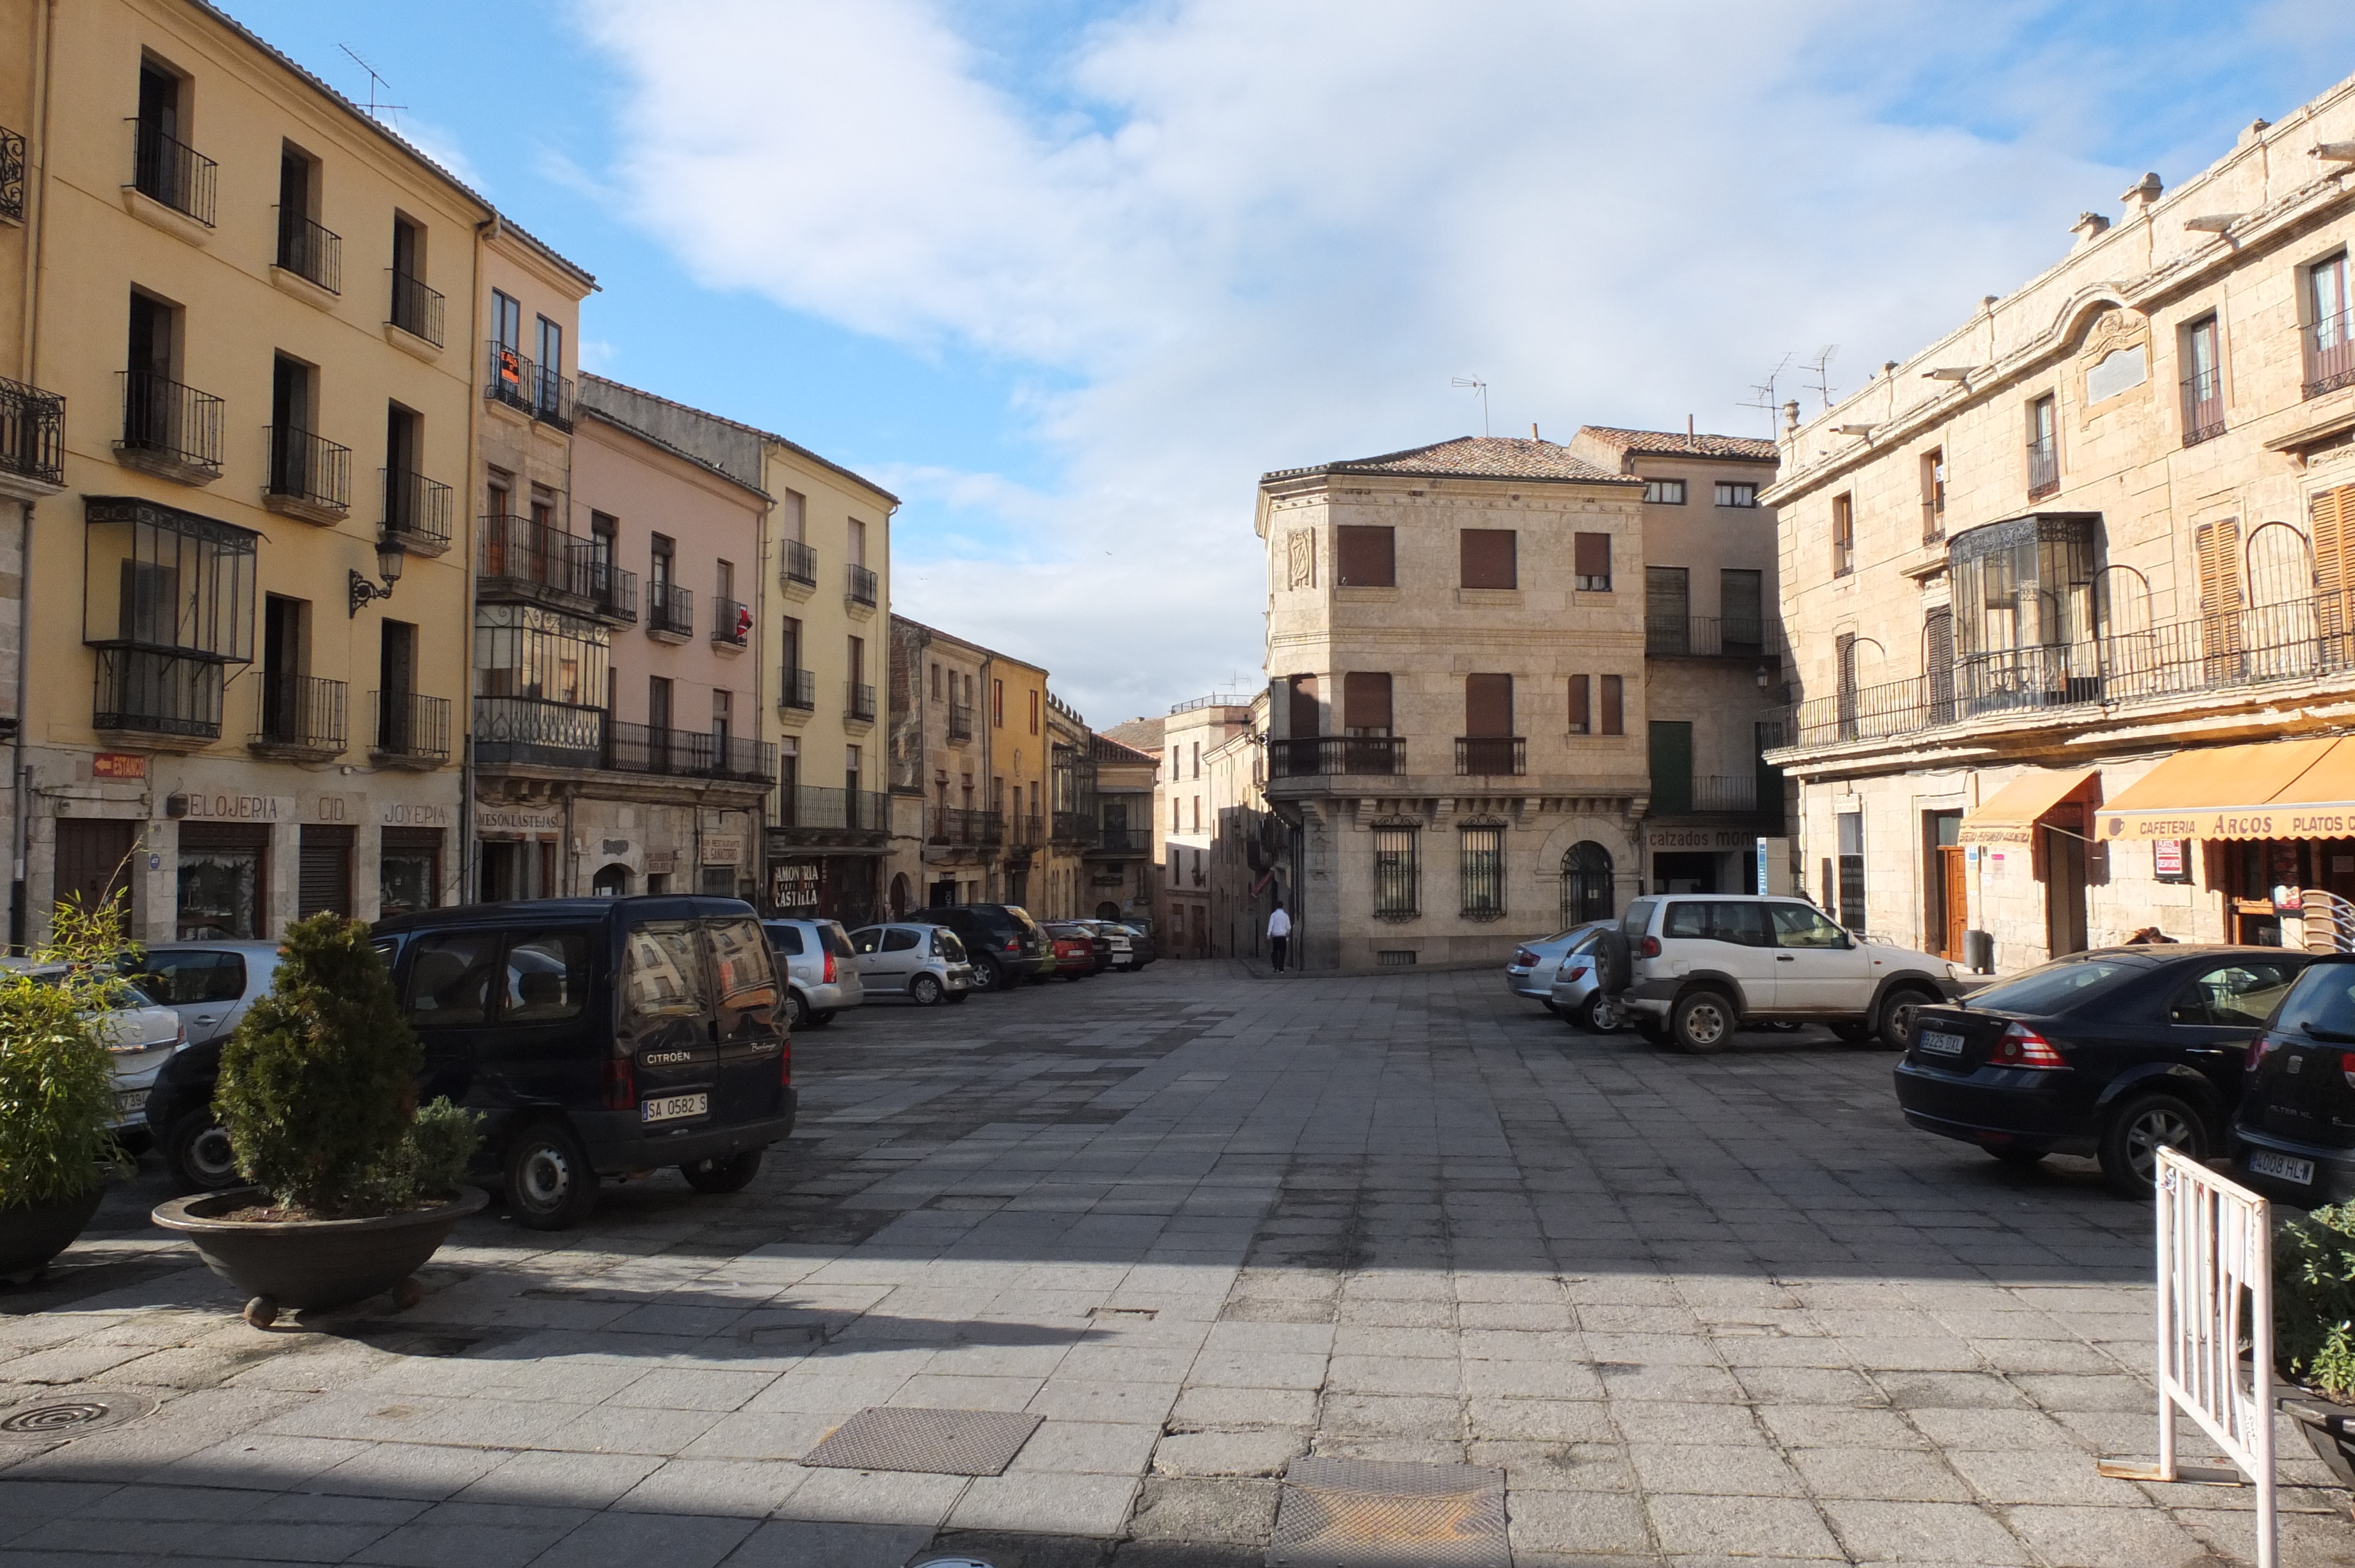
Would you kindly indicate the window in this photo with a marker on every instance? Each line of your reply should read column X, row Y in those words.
column 1481, row 851
column 1613, row 718
column 1395, row 874
column 899, row 940
column 1365, row 704
column 1933, row 495
column 1586, row 884
column 1741, row 611
column 548, row 977
column 551, row 347
column 857, row 542
column 662, row 981
column 1198, row 760
column 1597, row 705
column 2043, row 448
column 1852, row 870
column 506, row 346
column 2203, row 383
column 1843, row 536
column 1487, row 705
column 450, row 980
column 2329, row 329
column 304, row 248
column 1744, row 496
column 1198, row 813
column 2331, row 518
column 1581, row 709
column 793, row 517
column 2238, row 996
column 181, row 979
column 936, row 682
column 1665, row 492
column 1591, row 559
column 1796, row 926
column 1668, row 610
column 1034, row 710
column 997, row 705
column 1369, row 556
column 1486, row 557
column 746, row 976
column 416, row 308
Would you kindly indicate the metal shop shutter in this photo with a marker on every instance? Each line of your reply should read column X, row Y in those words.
column 327, row 874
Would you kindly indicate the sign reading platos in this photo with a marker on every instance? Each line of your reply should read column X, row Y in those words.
column 2331, row 822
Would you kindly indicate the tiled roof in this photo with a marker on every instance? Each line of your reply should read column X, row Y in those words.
column 1671, row 443
column 590, row 381
column 1106, row 749
column 1475, row 457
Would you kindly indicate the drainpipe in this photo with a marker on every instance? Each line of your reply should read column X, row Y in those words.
column 21, row 823
column 468, row 883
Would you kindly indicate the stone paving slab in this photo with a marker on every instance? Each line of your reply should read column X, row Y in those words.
column 1695, row 1310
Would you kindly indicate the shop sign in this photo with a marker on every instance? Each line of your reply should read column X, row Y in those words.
column 512, row 820
column 2169, row 862
column 795, row 885
column 203, row 807
column 1698, row 838
column 661, row 863
column 118, row 765
column 333, row 808
column 407, row 814
column 616, row 846
column 723, row 849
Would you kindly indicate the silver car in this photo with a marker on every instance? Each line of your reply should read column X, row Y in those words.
column 1577, row 993
column 820, row 979
column 926, row 964
column 1531, row 973
column 140, row 1038
column 209, row 985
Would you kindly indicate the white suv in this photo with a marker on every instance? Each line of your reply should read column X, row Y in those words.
column 1702, row 965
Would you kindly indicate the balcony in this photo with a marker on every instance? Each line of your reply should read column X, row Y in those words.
column 411, row 731
column 310, row 477
column 1491, row 756
column 12, row 176
column 858, row 702
column 1025, row 832
column 516, row 558
column 1123, row 840
column 2329, row 346
column 2203, row 406
column 2043, row 469
column 731, row 624
column 685, row 754
column 862, row 589
column 1711, row 637
column 951, row 827
column 32, row 439
column 143, row 692
column 416, row 308
column 529, row 389
column 312, row 253
column 169, row 430
column 803, row 814
column 670, row 611
column 960, row 723
column 1072, row 830
column 416, row 510
column 799, row 695
column 801, row 564
column 612, row 592
column 1327, row 756
column 1678, row 795
column 170, row 172
column 526, row 730
column 303, row 718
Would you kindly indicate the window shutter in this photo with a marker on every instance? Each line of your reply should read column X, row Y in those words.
column 1592, row 554
column 2334, row 512
column 1366, row 702
column 1369, row 556
column 1488, row 557
column 1581, row 717
column 2218, row 547
column 1487, row 705
column 326, row 871
column 1304, row 714
column 1615, row 710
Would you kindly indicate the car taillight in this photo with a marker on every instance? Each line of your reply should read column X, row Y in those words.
column 2023, row 1047
column 1579, row 973
column 829, row 967
column 1525, row 957
column 2262, row 1046
column 2346, row 1067
column 1012, row 944
column 785, row 1064
column 621, row 1088
column 1649, row 948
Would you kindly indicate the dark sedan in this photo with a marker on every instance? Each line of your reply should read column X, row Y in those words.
column 2295, row 1132
column 2111, row 1053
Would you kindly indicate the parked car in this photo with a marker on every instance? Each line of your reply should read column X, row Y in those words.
column 820, row 979
column 2110, row 1053
column 2294, row 1137
column 140, row 1039
column 1120, row 943
column 1578, row 994
column 1530, row 970
column 1079, row 952
column 1704, row 967
column 1006, row 945
column 210, row 985
column 926, row 964
column 1142, row 949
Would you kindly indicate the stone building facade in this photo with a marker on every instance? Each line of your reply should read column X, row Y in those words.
column 940, row 760
column 2046, row 578
column 1186, row 825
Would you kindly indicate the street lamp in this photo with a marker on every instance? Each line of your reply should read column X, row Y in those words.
column 391, row 557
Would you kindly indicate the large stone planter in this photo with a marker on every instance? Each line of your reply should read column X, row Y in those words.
column 303, row 1263
column 2330, row 1428
column 33, row 1233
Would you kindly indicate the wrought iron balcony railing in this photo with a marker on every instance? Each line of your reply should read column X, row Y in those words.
column 2203, row 406
column 411, row 726
column 732, row 624
column 309, row 469
column 2329, row 354
column 1323, row 755
column 542, row 734
column 150, row 692
column 1719, row 794
column 809, row 808
column 1072, row 829
column 612, row 592
column 859, row 702
column 1125, row 841
column 2043, row 469
column 535, row 560
column 12, row 176
column 311, row 253
column 685, row 754
column 416, row 308
column 301, row 714
column 801, row 564
column 670, row 610
column 953, row 825
column 960, row 721
column 862, row 586
column 801, row 691
column 1711, row 637
column 416, row 509
column 32, row 432
column 168, row 170
column 162, row 418
column 1026, row 833
column 1492, row 756
column 534, row 389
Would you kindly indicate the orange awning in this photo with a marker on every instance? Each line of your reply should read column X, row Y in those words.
column 2275, row 789
column 2010, row 814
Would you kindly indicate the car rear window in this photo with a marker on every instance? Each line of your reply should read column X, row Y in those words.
column 176, row 978
column 837, row 941
column 2323, row 1000
column 945, row 943
column 1638, row 919
column 2060, row 984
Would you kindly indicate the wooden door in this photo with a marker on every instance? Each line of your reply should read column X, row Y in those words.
column 1956, row 901
column 92, row 864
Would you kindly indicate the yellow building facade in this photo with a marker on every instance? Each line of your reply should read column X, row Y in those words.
column 1014, row 697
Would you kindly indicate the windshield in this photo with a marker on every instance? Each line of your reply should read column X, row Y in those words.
column 2056, row 986
column 2323, row 1000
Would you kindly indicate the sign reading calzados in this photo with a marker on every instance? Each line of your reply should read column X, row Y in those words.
column 2332, row 821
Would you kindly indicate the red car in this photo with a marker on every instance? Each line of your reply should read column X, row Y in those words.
column 1075, row 951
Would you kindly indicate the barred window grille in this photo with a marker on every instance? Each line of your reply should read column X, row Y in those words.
column 1586, row 884
column 1395, row 874
column 1483, row 875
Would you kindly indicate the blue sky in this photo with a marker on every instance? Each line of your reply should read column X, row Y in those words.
column 1067, row 276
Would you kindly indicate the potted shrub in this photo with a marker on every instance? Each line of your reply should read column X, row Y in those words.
column 354, row 1185
column 2313, row 1330
column 56, row 1087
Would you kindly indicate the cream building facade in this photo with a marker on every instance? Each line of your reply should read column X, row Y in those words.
column 1186, row 820
column 2047, row 578
column 940, row 760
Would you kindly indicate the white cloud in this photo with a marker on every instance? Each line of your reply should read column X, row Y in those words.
column 1278, row 230
column 439, row 143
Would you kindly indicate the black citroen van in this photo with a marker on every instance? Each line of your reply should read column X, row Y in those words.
column 599, row 1037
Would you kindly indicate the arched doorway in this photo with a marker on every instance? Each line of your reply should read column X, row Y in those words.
column 899, row 896
column 611, row 881
column 1107, row 910
column 1586, row 884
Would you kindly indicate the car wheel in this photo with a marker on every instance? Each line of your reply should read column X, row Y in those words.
column 822, row 1017
column 988, row 976
column 2014, row 1153
column 1897, row 1010
column 732, row 1174
column 550, row 1186
column 2131, row 1140
column 197, row 1153
column 797, row 1011
column 1704, row 1022
column 925, row 990
column 1595, row 1014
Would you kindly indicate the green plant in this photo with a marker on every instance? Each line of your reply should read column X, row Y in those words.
column 317, row 1085
column 2314, row 1298
column 57, row 1082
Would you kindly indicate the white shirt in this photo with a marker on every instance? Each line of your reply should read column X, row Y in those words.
column 1279, row 924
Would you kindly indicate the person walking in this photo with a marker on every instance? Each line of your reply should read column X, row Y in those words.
column 1279, row 936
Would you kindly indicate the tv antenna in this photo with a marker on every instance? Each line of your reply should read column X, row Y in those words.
column 1821, row 366
column 375, row 79
column 1765, row 394
column 1476, row 384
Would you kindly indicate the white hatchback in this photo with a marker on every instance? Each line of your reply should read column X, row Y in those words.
column 139, row 1039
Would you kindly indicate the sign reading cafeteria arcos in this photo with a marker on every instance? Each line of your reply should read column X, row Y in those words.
column 2335, row 821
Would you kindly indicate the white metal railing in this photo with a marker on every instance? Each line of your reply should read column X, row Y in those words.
column 2215, row 1301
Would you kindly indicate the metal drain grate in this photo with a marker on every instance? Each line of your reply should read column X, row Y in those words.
column 1362, row 1513
column 76, row 1417
column 936, row 1442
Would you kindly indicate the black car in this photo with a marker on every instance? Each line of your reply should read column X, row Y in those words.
column 2111, row 1053
column 598, row 1037
column 2295, row 1135
column 1006, row 945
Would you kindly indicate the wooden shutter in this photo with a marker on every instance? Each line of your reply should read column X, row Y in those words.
column 91, row 860
column 326, row 871
column 1614, row 707
column 2218, row 548
column 1487, row 556
column 1581, row 717
column 1487, row 705
column 1304, row 715
column 1366, row 701
column 1368, row 556
column 2334, row 520
column 1592, row 554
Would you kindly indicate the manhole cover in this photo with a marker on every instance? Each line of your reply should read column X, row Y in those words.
column 937, row 1442
column 1360, row 1513
column 47, row 1421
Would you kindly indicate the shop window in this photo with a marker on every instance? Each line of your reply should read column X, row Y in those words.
column 221, row 883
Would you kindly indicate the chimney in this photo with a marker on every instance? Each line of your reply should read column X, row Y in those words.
column 2142, row 196
column 2089, row 227
column 1791, row 417
column 1689, row 432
